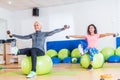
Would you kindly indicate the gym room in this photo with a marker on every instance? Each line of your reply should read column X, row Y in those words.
column 59, row 39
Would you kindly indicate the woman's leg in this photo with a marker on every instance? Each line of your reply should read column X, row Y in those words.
column 92, row 52
column 34, row 53
column 25, row 51
column 80, row 48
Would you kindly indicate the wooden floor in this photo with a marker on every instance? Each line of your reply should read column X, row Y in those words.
column 65, row 72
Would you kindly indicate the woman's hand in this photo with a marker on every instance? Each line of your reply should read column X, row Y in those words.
column 116, row 34
column 66, row 27
column 9, row 33
column 68, row 37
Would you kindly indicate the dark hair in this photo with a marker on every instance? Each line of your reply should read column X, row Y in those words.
column 88, row 32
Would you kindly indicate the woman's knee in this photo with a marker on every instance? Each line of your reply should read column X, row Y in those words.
column 37, row 52
column 33, row 49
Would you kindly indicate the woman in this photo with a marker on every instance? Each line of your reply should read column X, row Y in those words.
column 92, row 39
column 38, row 40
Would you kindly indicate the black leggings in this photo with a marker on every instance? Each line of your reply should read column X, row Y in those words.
column 33, row 52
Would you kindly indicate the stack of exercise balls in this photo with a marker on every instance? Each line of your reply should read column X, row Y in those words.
column 75, row 54
column 107, row 52
column 116, row 57
column 54, row 56
column 63, row 53
column 64, row 56
column 111, row 55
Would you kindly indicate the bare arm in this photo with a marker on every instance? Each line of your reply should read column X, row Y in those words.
column 76, row 36
column 107, row 34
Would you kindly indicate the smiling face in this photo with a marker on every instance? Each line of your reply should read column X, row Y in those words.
column 37, row 26
column 92, row 29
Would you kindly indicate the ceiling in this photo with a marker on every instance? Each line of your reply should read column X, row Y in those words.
column 29, row 4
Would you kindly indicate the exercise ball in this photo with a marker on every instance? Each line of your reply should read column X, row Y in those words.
column 67, row 60
column 85, row 61
column 114, row 59
column 63, row 53
column 74, row 60
column 75, row 53
column 55, row 60
column 117, row 51
column 44, row 65
column 107, row 52
column 51, row 53
column 98, row 61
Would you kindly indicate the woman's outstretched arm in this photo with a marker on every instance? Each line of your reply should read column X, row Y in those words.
column 109, row 34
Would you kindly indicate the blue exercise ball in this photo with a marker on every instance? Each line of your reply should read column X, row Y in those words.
column 55, row 60
column 114, row 59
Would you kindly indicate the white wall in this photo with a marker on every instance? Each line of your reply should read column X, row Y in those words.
column 50, row 20
column 103, row 13
column 6, row 22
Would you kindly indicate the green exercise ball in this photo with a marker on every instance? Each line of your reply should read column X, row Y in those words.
column 107, row 52
column 117, row 51
column 85, row 61
column 75, row 53
column 44, row 65
column 51, row 53
column 98, row 61
column 74, row 60
column 63, row 53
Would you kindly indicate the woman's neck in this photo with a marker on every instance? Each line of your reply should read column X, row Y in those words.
column 92, row 34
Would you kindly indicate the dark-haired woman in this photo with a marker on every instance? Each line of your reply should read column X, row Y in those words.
column 92, row 38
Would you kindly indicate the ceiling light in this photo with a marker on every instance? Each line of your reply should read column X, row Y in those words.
column 9, row 2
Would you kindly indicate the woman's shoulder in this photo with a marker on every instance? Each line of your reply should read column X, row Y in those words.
column 97, row 34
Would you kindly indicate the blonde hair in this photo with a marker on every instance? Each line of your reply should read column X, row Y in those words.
column 36, row 22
